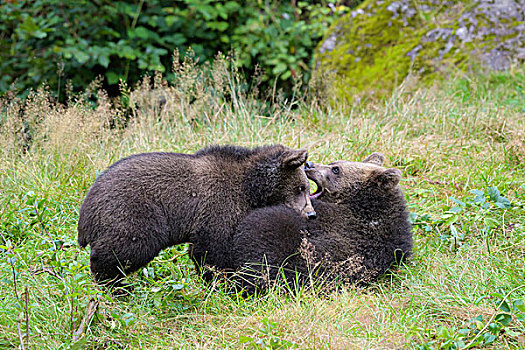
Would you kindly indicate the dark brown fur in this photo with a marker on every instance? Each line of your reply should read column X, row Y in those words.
column 361, row 230
column 147, row 202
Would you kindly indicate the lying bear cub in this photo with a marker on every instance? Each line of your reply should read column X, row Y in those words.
column 361, row 230
column 150, row 201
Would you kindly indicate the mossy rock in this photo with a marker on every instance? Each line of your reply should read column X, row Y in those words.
column 374, row 48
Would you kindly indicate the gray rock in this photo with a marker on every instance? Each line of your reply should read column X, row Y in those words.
column 328, row 44
column 493, row 31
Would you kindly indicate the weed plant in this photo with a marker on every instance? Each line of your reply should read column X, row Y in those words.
column 460, row 146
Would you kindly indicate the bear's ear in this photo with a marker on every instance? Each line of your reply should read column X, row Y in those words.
column 376, row 158
column 389, row 178
column 293, row 158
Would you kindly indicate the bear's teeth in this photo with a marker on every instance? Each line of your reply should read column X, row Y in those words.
column 315, row 195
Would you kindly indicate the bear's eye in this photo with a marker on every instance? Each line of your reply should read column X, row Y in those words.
column 335, row 170
column 302, row 188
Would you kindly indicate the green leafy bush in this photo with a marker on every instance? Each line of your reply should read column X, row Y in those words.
column 57, row 41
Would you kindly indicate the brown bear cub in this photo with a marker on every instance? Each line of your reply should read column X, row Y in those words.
column 147, row 202
column 361, row 230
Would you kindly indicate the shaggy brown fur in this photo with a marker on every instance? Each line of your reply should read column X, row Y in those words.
column 361, row 230
column 147, row 202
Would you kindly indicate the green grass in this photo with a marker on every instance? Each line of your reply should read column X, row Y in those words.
column 467, row 276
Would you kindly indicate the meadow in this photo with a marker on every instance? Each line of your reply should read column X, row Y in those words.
column 460, row 145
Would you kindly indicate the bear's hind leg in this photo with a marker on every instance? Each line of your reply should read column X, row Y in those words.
column 111, row 263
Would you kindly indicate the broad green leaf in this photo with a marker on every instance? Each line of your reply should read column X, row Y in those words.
column 112, row 77
column 456, row 209
column 494, row 327
column 279, row 68
column 177, row 39
column 286, row 75
column 519, row 305
column 489, row 338
column 142, row 63
column 232, row 6
column 477, row 192
column 128, row 52
column 504, row 319
column 503, row 203
column 81, row 56
column 103, row 60
column 504, row 306
column 479, row 199
column 170, row 20
column 221, row 11
column 493, row 193
column 479, row 324
column 141, row 32
column 220, row 26
column 39, row 34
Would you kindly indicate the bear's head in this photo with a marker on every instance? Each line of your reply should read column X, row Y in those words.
column 344, row 181
column 277, row 177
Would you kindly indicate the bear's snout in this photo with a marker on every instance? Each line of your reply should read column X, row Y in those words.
column 311, row 215
column 308, row 165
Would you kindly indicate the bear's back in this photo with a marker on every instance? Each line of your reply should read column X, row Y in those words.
column 176, row 188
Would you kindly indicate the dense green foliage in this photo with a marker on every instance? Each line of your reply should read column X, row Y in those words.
column 57, row 41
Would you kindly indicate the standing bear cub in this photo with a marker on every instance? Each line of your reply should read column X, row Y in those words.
column 361, row 230
column 147, row 202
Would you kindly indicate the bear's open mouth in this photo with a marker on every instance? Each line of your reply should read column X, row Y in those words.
column 319, row 190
